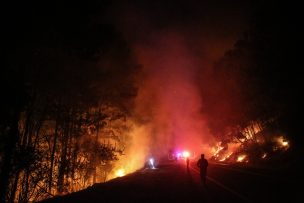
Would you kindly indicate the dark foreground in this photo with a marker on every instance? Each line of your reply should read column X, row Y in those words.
column 172, row 182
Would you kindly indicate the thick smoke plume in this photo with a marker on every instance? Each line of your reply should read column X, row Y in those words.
column 169, row 99
column 168, row 111
column 176, row 48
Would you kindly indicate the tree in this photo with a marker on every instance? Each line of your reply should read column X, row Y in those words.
column 58, row 73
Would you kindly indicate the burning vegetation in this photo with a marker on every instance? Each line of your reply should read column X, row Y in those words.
column 256, row 146
column 64, row 128
column 59, row 156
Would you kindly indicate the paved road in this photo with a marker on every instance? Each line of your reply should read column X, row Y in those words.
column 254, row 185
column 172, row 182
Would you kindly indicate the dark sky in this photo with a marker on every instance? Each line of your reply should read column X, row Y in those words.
column 208, row 26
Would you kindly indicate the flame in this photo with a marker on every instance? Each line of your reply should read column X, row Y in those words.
column 282, row 142
column 217, row 148
column 221, row 154
column 120, row 172
column 226, row 157
column 254, row 137
column 135, row 154
column 241, row 158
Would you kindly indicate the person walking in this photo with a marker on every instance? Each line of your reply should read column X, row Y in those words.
column 187, row 162
column 202, row 163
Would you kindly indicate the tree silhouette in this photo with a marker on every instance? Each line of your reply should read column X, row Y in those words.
column 62, row 73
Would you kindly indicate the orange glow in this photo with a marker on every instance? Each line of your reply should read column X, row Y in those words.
column 241, row 158
column 283, row 143
column 120, row 172
column 224, row 154
column 226, row 157
column 135, row 154
column 217, row 149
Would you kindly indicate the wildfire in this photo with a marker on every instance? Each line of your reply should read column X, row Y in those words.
column 241, row 158
column 120, row 172
column 282, row 142
column 225, row 154
column 226, row 157
column 244, row 148
column 217, row 149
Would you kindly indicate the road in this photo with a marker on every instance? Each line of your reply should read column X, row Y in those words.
column 254, row 185
column 172, row 182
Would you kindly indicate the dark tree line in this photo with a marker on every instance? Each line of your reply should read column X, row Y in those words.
column 259, row 79
column 63, row 79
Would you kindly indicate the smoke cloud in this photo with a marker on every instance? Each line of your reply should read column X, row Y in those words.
column 177, row 46
column 169, row 99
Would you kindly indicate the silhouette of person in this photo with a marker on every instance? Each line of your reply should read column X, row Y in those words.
column 202, row 163
column 187, row 161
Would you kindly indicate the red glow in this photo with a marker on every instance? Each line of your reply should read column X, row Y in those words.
column 169, row 98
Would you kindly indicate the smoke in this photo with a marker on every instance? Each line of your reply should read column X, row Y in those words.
column 169, row 100
column 168, row 106
column 136, row 150
column 176, row 45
